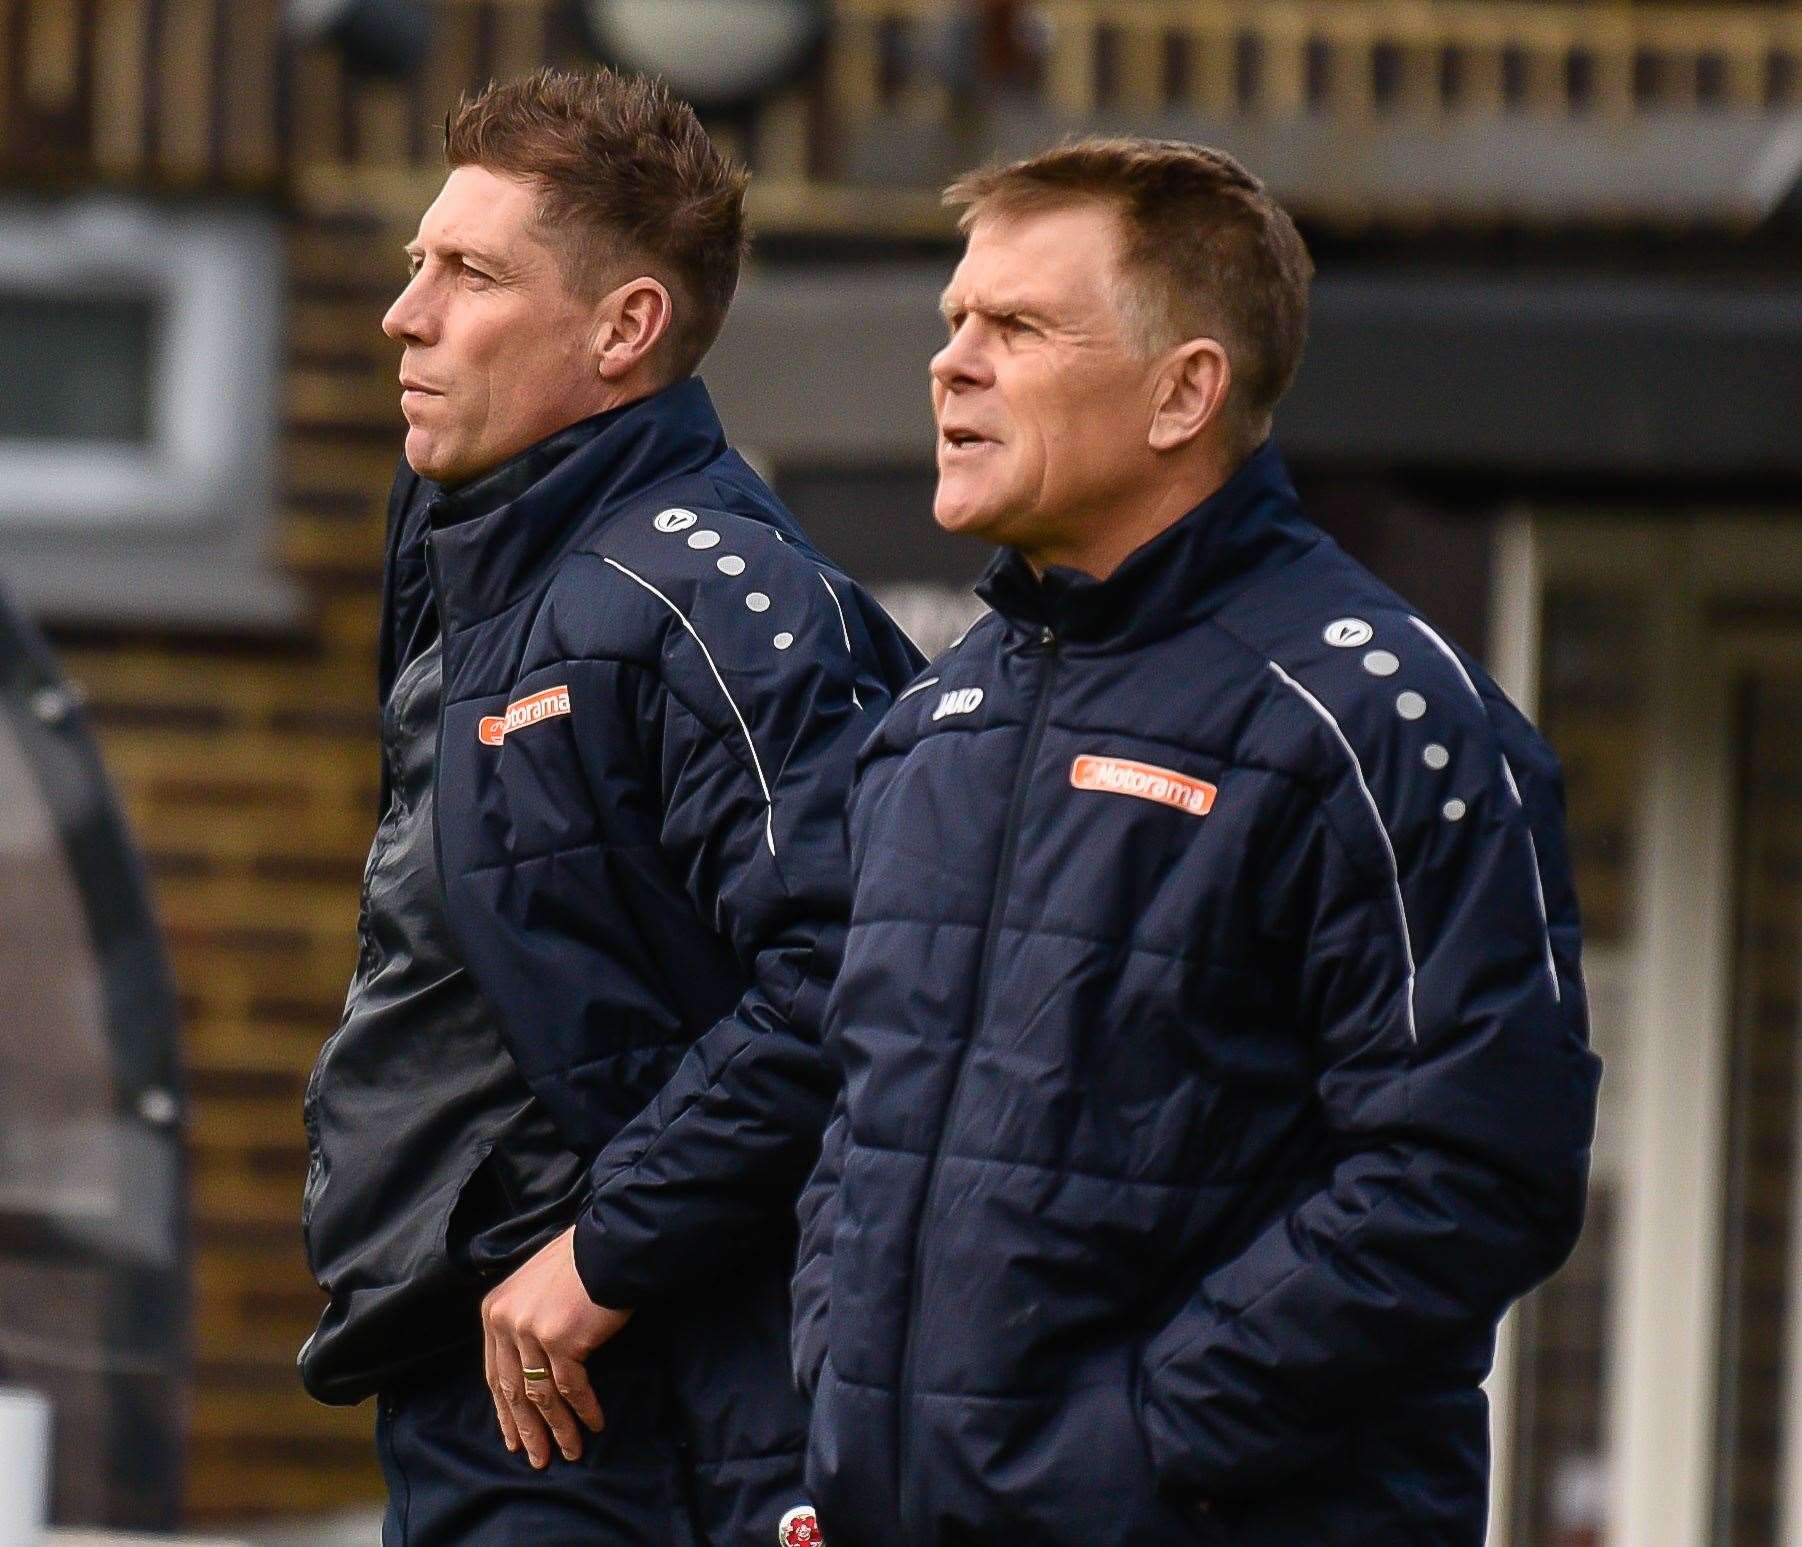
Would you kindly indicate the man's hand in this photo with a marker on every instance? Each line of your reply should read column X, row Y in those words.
column 541, row 1319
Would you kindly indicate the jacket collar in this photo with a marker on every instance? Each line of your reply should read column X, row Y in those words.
column 495, row 538
column 1187, row 571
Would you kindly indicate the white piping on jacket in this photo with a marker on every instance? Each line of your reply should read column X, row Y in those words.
column 916, row 688
column 1376, row 815
column 769, row 815
column 845, row 629
column 1545, row 919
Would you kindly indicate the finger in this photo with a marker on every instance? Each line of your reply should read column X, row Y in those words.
column 533, row 1433
column 573, row 1386
column 509, row 1388
column 542, row 1395
column 509, row 1430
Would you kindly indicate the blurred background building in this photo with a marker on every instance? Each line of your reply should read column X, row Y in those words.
column 1553, row 392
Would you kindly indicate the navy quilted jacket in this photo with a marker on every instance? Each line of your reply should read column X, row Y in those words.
column 1215, row 1064
column 653, row 694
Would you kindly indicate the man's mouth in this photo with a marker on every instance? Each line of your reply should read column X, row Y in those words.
column 963, row 440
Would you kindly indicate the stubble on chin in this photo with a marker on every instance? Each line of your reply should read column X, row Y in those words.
column 956, row 507
column 965, row 512
column 425, row 459
column 950, row 516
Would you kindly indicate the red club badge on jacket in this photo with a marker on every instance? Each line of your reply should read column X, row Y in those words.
column 800, row 1527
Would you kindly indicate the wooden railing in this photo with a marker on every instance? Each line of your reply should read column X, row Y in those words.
column 206, row 93
column 1347, row 58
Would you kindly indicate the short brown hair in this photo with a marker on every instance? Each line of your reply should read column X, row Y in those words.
column 1206, row 251
column 626, row 174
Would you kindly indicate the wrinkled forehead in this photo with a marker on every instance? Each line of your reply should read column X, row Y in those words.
column 1058, row 260
column 477, row 208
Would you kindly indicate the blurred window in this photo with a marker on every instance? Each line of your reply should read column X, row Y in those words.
column 91, row 1282
column 138, row 392
column 1759, row 1218
column 1559, row 1395
column 52, row 351
column 1593, row 709
column 57, row 1154
column 62, row 1157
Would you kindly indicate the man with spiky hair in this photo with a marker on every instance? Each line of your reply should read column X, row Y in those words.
column 557, row 1138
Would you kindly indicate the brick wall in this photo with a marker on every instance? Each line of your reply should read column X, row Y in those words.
column 247, row 766
column 247, row 769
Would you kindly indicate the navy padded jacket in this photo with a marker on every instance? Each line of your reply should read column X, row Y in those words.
column 1215, row 1064
column 654, row 690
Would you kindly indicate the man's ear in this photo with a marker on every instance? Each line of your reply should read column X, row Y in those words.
column 1191, row 393
column 632, row 321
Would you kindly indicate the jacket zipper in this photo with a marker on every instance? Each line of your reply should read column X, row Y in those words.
column 1046, row 646
column 444, row 674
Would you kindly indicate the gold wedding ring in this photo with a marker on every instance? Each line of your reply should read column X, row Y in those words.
column 535, row 1374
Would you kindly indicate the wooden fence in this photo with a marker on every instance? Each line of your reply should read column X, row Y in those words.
column 1344, row 58
column 205, row 93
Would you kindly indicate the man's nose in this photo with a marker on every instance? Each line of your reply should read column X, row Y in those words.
column 408, row 320
column 960, row 364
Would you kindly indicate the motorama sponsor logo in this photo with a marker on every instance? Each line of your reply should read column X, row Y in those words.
column 1122, row 776
column 496, row 728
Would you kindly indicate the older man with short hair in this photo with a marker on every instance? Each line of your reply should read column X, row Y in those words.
column 1211, row 1021
column 557, row 1138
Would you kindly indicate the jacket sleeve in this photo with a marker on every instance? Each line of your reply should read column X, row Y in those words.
column 751, row 745
column 818, row 1210
column 1458, row 1093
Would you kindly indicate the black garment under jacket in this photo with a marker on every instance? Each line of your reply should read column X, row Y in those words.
column 1215, row 1059
column 653, row 689
column 416, row 1076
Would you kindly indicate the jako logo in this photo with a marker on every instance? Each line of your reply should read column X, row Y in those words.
column 1119, row 776
column 496, row 728
column 957, row 701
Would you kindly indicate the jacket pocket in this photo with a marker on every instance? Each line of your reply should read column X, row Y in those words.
column 1098, row 1461
column 850, row 1472
column 472, row 1199
column 1063, row 1469
column 508, row 1206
